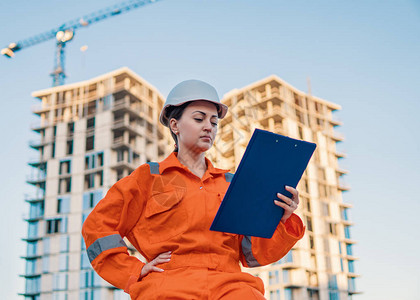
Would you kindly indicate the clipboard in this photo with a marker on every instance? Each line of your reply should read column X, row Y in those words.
column 270, row 162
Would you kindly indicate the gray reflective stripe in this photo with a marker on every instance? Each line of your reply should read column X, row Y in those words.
column 228, row 177
column 247, row 252
column 154, row 167
column 103, row 244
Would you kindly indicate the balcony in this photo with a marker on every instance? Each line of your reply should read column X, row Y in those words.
column 343, row 186
column 122, row 124
column 345, row 219
column 352, row 286
column 124, row 87
column 346, row 204
column 350, row 256
column 349, row 240
column 33, row 285
column 347, row 222
column 341, row 171
column 40, row 108
column 352, row 274
column 38, row 126
column 278, row 129
column 126, row 165
column 289, row 261
column 33, row 217
column 335, row 136
column 294, row 284
column 36, row 144
column 124, row 104
column 335, row 121
column 36, row 179
column 120, row 143
column 265, row 95
column 347, row 236
column 32, row 275
column 275, row 92
column 30, row 294
column 33, row 232
column 339, row 154
column 32, row 238
column 33, row 256
column 275, row 113
column 36, row 198
column 312, row 278
column 37, row 162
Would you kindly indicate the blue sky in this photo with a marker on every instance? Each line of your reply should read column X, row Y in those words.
column 363, row 55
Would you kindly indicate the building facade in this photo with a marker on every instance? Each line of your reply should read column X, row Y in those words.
column 95, row 132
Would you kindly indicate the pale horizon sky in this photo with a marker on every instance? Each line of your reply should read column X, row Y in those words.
column 362, row 55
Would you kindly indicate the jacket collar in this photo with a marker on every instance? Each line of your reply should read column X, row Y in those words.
column 172, row 162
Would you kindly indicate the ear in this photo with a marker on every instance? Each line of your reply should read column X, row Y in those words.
column 173, row 125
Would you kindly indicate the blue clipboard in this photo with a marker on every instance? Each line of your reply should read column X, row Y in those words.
column 270, row 162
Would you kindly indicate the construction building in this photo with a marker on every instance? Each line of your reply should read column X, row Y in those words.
column 95, row 132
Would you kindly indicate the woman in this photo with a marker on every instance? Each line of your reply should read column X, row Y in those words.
column 165, row 210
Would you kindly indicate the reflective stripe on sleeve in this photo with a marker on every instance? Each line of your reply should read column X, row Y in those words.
column 247, row 252
column 103, row 244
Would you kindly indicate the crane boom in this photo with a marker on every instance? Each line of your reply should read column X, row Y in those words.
column 65, row 32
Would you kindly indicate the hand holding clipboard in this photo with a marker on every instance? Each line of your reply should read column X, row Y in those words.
column 288, row 204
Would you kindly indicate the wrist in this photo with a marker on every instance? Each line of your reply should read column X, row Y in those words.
column 284, row 219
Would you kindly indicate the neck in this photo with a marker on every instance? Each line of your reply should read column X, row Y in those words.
column 194, row 161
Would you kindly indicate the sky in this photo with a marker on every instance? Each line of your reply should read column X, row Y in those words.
column 362, row 55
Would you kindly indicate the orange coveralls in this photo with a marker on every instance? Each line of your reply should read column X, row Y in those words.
column 171, row 209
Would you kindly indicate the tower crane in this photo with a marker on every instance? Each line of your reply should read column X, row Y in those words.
column 65, row 33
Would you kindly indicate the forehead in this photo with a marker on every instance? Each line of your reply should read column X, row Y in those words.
column 202, row 105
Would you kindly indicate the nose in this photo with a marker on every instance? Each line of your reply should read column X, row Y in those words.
column 208, row 126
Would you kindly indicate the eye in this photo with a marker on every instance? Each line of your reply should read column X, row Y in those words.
column 198, row 119
column 214, row 124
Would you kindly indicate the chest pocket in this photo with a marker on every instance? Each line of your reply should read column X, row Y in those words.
column 165, row 214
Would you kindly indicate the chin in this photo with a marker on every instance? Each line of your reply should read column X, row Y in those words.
column 204, row 147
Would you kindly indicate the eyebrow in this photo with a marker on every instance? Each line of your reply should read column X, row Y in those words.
column 201, row 112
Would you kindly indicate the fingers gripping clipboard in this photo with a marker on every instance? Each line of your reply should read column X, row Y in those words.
column 270, row 162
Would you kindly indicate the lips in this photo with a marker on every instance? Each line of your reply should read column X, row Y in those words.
column 205, row 137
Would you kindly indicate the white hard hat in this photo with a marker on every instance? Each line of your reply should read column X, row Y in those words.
column 190, row 90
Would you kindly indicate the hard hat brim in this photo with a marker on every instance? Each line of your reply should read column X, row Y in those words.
column 163, row 118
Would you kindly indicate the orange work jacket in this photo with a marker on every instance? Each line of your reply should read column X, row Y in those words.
column 165, row 207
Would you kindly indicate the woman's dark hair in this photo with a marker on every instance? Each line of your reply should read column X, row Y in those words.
column 176, row 113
